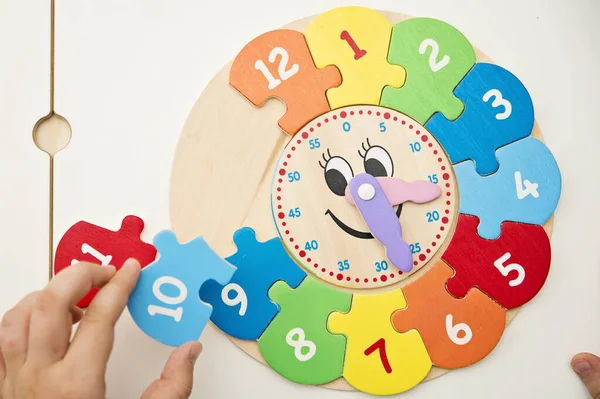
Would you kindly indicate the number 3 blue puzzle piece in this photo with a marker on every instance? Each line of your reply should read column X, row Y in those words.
column 525, row 189
column 243, row 308
column 498, row 111
column 165, row 303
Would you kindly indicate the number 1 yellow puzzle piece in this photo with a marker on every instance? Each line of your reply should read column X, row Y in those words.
column 379, row 360
column 356, row 40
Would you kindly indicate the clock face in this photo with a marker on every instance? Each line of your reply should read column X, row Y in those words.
column 314, row 213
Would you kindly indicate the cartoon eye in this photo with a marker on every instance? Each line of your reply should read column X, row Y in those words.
column 377, row 161
column 338, row 173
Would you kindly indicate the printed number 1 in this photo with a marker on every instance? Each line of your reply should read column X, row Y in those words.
column 380, row 346
column 358, row 53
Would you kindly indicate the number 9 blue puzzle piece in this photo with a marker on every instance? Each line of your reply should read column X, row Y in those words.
column 165, row 304
column 243, row 308
column 525, row 189
column 498, row 111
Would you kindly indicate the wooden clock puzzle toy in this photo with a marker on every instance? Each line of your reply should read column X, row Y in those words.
column 379, row 225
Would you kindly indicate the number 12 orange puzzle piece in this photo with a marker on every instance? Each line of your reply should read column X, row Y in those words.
column 279, row 64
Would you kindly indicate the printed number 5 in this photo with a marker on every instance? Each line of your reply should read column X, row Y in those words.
column 498, row 102
column 499, row 264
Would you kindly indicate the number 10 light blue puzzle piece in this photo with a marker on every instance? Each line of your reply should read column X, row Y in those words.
column 166, row 304
column 526, row 187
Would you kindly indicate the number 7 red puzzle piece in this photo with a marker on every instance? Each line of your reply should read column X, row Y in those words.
column 510, row 269
column 86, row 242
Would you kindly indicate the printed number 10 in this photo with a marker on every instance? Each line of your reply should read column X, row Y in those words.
column 176, row 313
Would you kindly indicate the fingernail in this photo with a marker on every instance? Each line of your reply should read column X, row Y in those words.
column 582, row 368
column 131, row 264
column 195, row 353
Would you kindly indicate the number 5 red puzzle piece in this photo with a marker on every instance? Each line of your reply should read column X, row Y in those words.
column 510, row 269
column 86, row 242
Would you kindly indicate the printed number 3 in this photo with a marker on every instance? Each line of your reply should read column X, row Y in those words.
column 499, row 264
column 283, row 73
column 498, row 102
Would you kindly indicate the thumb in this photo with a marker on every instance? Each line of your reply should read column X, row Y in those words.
column 177, row 377
column 587, row 367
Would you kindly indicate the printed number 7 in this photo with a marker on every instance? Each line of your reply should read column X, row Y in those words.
column 380, row 345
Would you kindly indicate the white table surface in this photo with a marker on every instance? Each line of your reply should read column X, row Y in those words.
column 127, row 75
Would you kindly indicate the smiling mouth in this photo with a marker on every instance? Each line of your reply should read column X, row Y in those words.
column 355, row 233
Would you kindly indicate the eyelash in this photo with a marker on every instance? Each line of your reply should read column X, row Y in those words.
column 325, row 159
column 365, row 149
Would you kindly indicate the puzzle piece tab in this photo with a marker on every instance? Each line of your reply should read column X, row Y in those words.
column 456, row 332
column 279, row 64
column 436, row 57
column 86, row 242
column 297, row 344
column 498, row 111
column 165, row 303
column 525, row 189
column 511, row 269
column 379, row 360
column 356, row 40
column 242, row 308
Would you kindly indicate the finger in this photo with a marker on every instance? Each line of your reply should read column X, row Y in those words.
column 587, row 367
column 52, row 315
column 177, row 378
column 14, row 334
column 95, row 335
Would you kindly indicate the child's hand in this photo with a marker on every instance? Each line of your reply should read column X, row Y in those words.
column 39, row 360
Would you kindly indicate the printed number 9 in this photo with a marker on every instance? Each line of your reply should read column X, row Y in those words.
column 240, row 297
column 176, row 313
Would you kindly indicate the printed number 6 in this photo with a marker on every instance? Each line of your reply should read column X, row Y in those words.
column 499, row 264
column 453, row 330
column 498, row 102
column 239, row 298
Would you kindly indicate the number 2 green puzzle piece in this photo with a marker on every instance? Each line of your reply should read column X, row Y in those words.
column 297, row 343
column 436, row 57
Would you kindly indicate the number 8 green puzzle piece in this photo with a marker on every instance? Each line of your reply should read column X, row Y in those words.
column 297, row 343
column 436, row 57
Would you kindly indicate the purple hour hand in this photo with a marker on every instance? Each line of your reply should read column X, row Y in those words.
column 375, row 203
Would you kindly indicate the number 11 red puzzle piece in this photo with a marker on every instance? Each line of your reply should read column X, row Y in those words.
column 86, row 242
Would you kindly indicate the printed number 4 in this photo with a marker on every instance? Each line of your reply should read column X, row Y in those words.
column 505, row 270
column 284, row 73
column 525, row 187
column 380, row 346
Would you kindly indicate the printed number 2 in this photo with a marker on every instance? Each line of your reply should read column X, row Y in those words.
column 505, row 270
column 498, row 102
column 434, row 64
column 380, row 346
column 284, row 73
column 168, row 300
column 525, row 187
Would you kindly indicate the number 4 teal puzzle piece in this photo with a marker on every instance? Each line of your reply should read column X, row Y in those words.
column 242, row 308
column 526, row 187
column 498, row 111
column 297, row 343
column 165, row 303
column 436, row 57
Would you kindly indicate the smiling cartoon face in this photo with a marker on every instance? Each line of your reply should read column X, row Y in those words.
column 328, row 196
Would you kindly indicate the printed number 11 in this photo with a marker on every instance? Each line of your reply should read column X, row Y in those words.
column 380, row 345
column 358, row 53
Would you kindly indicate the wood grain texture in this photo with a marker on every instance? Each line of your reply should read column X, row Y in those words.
column 222, row 171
